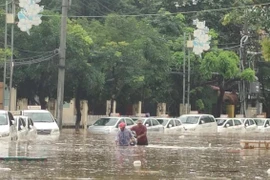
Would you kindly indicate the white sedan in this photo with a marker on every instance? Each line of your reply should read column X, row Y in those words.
column 107, row 125
column 32, row 130
column 21, row 128
column 171, row 125
column 151, row 123
column 230, row 125
column 263, row 124
column 249, row 124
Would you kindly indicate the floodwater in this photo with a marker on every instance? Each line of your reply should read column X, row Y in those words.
column 168, row 156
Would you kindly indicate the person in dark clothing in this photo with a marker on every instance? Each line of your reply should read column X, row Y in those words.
column 141, row 133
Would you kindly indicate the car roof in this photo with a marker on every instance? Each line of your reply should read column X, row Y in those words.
column 196, row 115
column 35, row 110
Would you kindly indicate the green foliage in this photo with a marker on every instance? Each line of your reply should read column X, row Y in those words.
column 265, row 43
column 248, row 75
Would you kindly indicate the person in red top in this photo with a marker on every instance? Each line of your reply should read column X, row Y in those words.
column 140, row 131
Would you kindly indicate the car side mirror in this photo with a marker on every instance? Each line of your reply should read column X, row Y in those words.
column 246, row 125
column 170, row 125
column 202, row 121
column 21, row 126
column 147, row 125
column 227, row 125
column 267, row 125
column 31, row 127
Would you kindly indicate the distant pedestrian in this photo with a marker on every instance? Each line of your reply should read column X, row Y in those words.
column 124, row 136
column 141, row 133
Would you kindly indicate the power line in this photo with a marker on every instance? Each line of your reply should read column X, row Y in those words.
column 182, row 12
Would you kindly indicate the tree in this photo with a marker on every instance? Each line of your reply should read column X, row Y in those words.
column 222, row 67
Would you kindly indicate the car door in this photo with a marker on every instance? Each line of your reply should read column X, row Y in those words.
column 148, row 124
column 267, row 125
column 12, row 129
column 238, row 125
column 129, row 123
column 156, row 125
column 32, row 131
column 178, row 125
column 229, row 125
column 251, row 125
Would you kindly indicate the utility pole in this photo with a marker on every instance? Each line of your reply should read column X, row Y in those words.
column 5, row 64
column 184, row 74
column 188, row 90
column 61, row 68
column 11, row 58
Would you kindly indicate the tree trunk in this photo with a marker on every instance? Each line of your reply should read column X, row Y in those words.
column 220, row 101
column 78, row 110
column 42, row 101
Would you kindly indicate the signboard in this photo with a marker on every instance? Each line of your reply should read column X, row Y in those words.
column 224, row 115
column 34, row 107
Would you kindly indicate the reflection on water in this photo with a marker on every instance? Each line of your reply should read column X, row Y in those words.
column 173, row 156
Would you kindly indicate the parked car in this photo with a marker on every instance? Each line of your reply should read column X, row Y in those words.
column 44, row 121
column 151, row 123
column 32, row 130
column 263, row 124
column 232, row 125
column 249, row 124
column 21, row 128
column 171, row 125
column 201, row 123
column 8, row 129
column 106, row 125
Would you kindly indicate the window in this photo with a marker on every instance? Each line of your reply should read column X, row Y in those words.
column 3, row 119
column 106, row 122
column 155, row 122
column 212, row 119
column 30, row 122
column 40, row 116
column 206, row 119
column 230, row 122
column 189, row 119
column 251, row 121
column 10, row 117
column 267, row 123
column 237, row 122
column 171, row 124
column 177, row 122
column 129, row 122
column 246, row 122
column 148, row 122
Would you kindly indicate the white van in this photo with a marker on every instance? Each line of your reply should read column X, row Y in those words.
column 199, row 123
column 7, row 126
column 44, row 121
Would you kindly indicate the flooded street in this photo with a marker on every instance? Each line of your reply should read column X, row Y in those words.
column 168, row 156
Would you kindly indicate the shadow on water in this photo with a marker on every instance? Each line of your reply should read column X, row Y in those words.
column 168, row 156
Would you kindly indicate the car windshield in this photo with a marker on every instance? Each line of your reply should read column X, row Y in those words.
column 40, row 116
column 3, row 119
column 220, row 122
column 163, row 121
column 106, row 122
column 259, row 122
column 189, row 119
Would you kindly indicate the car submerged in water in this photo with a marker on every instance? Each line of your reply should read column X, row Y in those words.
column 8, row 129
column 107, row 125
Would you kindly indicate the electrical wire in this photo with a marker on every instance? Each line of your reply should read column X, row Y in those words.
column 182, row 12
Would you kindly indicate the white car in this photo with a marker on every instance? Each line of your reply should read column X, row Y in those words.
column 249, row 124
column 8, row 129
column 199, row 123
column 263, row 124
column 171, row 125
column 230, row 125
column 32, row 130
column 107, row 125
column 44, row 122
column 21, row 128
column 151, row 123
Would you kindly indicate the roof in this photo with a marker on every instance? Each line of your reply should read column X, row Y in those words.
column 41, row 110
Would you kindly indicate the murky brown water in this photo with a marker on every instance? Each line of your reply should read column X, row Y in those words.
column 174, row 156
